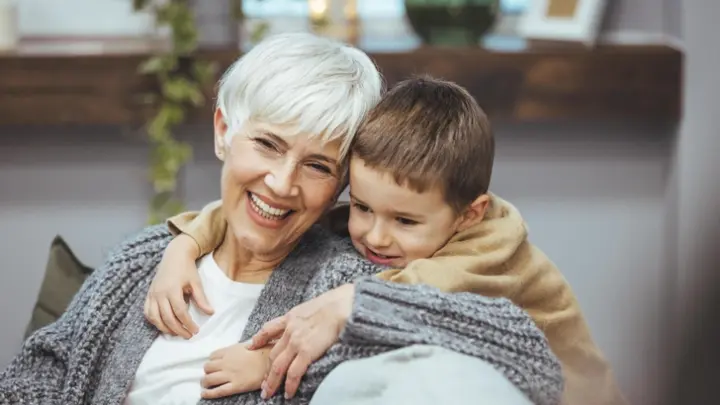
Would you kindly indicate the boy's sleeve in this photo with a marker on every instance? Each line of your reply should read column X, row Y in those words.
column 207, row 226
column 532, row 282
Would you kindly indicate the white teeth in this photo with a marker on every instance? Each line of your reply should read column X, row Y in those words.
column 266, row 210
column 379, row 255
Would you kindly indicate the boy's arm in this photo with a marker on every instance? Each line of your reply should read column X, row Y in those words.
column 532, row 282
column 206, row 227
column 177, row 276
column 197, row 234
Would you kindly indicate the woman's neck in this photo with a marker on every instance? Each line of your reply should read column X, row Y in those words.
column 241, row 265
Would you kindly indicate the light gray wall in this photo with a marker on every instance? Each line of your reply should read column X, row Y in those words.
column 695, row 160
column 600, row 198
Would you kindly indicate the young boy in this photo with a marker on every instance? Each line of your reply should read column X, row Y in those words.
column 420, row 170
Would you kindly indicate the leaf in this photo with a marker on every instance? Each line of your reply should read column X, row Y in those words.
column 147, row 98
column 158, row 128
column 176, row 114
column 236, row 10
column 259, row 31
column 205, row 72
column 196, row 97
column 185, row 42
column 159, row 200
column 168, row 115
column 139, row 5
column 157, row 64
column 173, row 207
column 177, row 89
column 185, row 152
column 165, row 13
column 184, row 28
column 163, row 206
column 152, row 65
column 163, row 180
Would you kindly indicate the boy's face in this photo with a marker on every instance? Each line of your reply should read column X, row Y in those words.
column 392, row 225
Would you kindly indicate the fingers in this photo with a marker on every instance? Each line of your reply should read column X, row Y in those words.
column 146, row 307
column 271, row 330
column 212, row 366
column 217, row 354
column 218, row 392
column 198, row 295
column 214, row 379
column 296, row 371
column 278, row 348
column 168, row 316
column 278, row 368
column 180, row 309
column 154, row 317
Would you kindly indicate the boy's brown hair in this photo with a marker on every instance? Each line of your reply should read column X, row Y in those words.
column 428, row 132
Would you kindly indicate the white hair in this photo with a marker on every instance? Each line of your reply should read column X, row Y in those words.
column 320, row 86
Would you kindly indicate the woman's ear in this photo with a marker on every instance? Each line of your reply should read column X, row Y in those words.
column 220, row 130
column 474, row 213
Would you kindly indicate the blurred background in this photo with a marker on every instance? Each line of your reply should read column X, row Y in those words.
column 606, row 139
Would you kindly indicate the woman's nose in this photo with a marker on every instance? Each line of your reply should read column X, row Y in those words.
column 282, row 181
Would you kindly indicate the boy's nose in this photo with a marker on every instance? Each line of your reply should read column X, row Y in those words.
column 378, row 238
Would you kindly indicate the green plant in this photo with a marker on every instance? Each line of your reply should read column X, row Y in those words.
column 181, row 79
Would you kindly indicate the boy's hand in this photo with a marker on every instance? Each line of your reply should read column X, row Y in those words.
column 235, row 369
column 177, row 276
column 305, row 333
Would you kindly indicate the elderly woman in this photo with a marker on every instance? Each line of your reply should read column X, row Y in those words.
column 287, row 112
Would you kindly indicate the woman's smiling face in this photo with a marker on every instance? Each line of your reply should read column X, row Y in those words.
column 275, row 184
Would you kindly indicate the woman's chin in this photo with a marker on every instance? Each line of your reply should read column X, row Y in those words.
column 268, row 236
column 267, row 242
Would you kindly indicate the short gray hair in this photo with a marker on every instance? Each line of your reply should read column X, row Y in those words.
column 321, row 86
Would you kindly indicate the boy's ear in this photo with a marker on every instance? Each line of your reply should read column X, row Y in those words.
column 220, row 129
column 474, row 213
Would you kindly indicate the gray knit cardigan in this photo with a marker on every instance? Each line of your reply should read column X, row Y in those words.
column 90, row 355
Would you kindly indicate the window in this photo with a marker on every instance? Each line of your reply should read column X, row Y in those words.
column 513, row 6
column 366, row 8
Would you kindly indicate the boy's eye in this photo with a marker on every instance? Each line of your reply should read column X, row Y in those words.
column 407, row 221
column 360, row 207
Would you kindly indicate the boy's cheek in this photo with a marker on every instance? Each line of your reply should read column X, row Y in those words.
column 354, row 228
column 356, row 234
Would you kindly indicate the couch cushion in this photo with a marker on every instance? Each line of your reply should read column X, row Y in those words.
column 64, row 274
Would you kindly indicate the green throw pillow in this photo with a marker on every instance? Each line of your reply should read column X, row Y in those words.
column 64, row 275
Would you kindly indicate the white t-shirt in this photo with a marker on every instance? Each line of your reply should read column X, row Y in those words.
column 171, row 370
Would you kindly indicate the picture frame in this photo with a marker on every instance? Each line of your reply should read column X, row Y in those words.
column 563, row 20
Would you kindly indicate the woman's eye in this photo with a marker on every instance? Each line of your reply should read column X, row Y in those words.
column 360, row 207
column 407, row 221
column 320, row 168
column 266, row 144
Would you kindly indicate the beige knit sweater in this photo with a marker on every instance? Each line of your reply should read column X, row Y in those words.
column 493, row 258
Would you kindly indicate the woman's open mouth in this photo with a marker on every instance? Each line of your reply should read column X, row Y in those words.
column 266, row 210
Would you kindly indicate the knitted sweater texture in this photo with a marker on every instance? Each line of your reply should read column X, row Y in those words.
column 90, row 355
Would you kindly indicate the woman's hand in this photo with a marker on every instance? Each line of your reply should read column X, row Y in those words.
column 307, row 331
column 177, row 276
column 235, row 369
